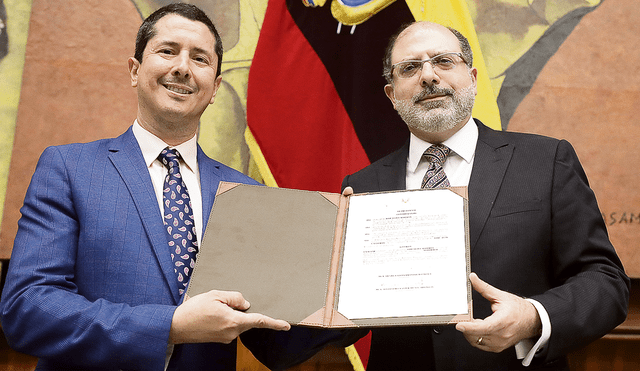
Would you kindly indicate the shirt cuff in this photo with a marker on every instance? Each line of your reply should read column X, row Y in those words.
column 526, row 349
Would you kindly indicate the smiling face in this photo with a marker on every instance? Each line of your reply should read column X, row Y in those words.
column 176, row 80
column 433, row 103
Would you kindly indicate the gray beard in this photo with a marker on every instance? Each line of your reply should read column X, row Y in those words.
column 436, row 116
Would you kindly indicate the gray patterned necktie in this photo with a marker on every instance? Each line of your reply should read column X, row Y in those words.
column 435, row 176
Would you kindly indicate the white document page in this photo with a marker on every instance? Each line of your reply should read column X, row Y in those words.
column 404, row 255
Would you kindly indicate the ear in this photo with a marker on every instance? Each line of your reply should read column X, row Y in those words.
column 134, row 66
column 388, row 90
column 216, row 86
column 473, row 73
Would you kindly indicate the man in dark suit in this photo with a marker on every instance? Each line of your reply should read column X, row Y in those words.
column 535, row 228
column 96, row 278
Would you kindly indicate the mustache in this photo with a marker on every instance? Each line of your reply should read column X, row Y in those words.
column 177, row 81
column 432, row 90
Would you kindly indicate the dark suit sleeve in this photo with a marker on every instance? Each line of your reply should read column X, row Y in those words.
column 280, row 350
column 590, row 289
column 345, row 183
column 42, row 312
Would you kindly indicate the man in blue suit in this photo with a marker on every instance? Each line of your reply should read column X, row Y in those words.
column 92, row 283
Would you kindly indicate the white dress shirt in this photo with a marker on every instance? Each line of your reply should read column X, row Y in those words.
column 458, row 167
column 458, row 164
column 151, row 147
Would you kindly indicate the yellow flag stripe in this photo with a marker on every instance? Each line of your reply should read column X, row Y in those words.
column 354, row 358
column 259, row 159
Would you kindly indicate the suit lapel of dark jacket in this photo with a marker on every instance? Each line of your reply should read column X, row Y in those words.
column 126, row 156
column 392, row 173
column 492, row 157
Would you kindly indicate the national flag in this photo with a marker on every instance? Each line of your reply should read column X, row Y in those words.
column 316, row 109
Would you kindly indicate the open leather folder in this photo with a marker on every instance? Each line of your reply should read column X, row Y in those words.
column 284, row 250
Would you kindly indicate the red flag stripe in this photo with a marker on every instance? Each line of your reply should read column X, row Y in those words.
column 294, row 111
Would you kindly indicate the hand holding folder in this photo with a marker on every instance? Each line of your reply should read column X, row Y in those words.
column 216, row 316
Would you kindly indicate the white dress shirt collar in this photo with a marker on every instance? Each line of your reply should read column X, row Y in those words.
column 462, row 143
column 151, row 147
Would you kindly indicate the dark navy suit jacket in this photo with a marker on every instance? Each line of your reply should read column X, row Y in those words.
column 535, row 231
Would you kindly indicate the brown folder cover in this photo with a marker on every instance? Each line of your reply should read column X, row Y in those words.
column 281, row 248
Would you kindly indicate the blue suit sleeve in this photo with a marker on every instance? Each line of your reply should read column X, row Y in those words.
column 43, row 313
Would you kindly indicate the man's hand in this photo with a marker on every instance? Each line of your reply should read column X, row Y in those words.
column 347, row 191
column 216, row 316
column 513, row 319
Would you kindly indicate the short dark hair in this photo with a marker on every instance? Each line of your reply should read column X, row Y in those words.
column 467, row 54
column 148, row 30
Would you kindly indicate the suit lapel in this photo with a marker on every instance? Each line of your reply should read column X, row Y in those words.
column 209, row 179
column 492, row 158
column 127, row 158
column 393, row 173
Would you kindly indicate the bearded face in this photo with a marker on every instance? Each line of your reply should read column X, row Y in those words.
column 436, row 116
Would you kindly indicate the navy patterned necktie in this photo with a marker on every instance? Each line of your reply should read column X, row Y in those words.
column 178, row 219
column 435, row 176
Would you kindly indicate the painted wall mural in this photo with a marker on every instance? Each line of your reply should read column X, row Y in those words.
column 14, row 21
column 563, row 68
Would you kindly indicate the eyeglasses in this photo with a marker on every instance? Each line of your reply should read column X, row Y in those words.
column 441, row 62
